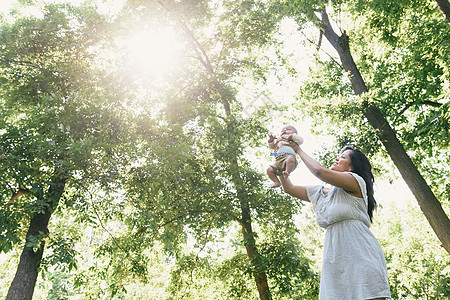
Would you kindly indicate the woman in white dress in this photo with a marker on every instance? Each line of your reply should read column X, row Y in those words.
column 354, row 266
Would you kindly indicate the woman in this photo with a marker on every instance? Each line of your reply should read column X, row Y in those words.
column 354, row 266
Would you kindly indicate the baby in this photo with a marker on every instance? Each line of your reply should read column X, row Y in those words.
column 285, row 160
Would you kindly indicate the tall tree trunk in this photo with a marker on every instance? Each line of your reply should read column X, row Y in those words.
column 444, row 6
column 22, row 286
column 429, row 204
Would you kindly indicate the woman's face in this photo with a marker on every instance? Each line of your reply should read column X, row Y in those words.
column 343, row 162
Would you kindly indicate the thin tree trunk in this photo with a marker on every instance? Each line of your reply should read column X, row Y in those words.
column 429, row 204
column 247, row 231
column 249, row 237
column 22, row 286
column 246, row 223
column 444, row 6
column 252, row 253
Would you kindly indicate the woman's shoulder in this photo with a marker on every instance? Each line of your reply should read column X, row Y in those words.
column 358, row 178
column 362, row 184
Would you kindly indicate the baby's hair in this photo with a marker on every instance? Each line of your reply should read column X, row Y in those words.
column 294, row 129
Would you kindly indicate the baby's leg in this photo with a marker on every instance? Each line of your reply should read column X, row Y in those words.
column 290, row 166
column 272, row 173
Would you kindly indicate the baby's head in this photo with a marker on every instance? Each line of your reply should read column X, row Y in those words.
column 288, row 129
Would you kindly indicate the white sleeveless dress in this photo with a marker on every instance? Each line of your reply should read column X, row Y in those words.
column 354, row 266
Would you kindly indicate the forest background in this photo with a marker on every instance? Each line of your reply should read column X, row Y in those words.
column 133, row 138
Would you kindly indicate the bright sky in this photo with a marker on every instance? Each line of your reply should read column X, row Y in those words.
column 6, row 5
column 106, row 5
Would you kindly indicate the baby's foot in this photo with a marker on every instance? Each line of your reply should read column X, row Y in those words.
column 275, row 185
column 286, row 174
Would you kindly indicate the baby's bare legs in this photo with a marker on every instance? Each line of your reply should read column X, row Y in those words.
column 272, row 173
column 290, row 166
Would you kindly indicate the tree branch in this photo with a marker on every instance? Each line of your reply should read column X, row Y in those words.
column 19, row 62
column 319, row 42
column 318, row 47
column 206, row 240
column 431, row 103
column 426, row 102
column 16, row 194
column 100, row 220
column 203, row 56
column 239, row 221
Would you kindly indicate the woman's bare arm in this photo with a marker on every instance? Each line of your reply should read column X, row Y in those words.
column 343, row 180
column 297, row 191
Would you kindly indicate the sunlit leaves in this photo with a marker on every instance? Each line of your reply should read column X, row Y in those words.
column 417, row 267
column 289, row 270
column 58, row 120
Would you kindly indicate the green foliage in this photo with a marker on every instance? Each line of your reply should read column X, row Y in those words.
column 326, row 95
column 46, row 127
column 417, row 268
column 289, row 270
column 63, row 255
column 58, row 120
column 303, row 11
column 191, row 279
column 421, row 275
column 35, row 241
column 236, row 273
column 50, row 54
column 255, row 28
column 401, row 50
column 61, row 285
column 409, row 69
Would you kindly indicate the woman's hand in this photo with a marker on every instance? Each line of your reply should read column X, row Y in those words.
column 292, row 144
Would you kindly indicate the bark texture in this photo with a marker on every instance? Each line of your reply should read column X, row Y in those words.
column 22, row 286
column 444, row 6
column 429, row 204
column 252, row 253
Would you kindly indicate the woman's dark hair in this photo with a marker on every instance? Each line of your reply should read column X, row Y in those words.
column 363, row 168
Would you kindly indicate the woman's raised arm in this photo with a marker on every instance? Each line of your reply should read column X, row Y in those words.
column 338, row 177
column 297, row 191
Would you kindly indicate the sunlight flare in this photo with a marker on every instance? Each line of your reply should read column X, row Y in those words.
column 154, row 51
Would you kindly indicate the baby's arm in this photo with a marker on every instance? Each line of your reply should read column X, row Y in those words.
column 271, row 141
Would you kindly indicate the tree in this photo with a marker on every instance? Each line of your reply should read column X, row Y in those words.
column 57, row 131
column 182, row 196
column 428, row 202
